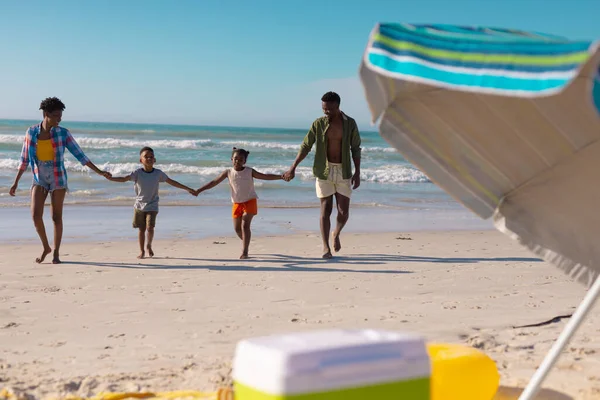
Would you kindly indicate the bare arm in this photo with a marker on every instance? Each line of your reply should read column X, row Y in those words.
column 291, row 173
column 178, row 185
column 265, row 177
column 301, row 156
column 214, row 182
column 23, row 163
column 305, row 147
column 97, row 170
column 356, row 165
column 120, row 178
column 13, row 188
column 355, row 143
column 356, row 176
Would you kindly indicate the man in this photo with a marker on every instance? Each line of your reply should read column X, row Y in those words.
column 337, row 140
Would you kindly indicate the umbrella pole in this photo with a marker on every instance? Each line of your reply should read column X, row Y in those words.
column 535, row 384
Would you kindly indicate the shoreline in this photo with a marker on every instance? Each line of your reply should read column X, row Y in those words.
column 113, row 223
column 275, row 205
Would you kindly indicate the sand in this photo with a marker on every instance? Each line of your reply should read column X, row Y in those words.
column 104, row 320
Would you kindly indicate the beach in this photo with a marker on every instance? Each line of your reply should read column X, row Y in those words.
column 105, row 321
column 412, row 260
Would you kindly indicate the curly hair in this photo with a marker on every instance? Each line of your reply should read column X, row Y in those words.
column 51, row 104
column 241, row 152
column 331, row 97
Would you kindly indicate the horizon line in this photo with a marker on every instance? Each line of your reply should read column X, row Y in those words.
column 171, row 124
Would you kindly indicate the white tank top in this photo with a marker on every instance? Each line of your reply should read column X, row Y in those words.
column 242, row 185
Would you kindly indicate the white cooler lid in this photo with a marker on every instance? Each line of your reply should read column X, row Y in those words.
column 329, row 359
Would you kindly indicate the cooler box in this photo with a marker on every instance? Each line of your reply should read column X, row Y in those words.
column 332, row 365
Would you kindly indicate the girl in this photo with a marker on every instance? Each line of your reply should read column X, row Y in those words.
column 243, row 195
column 43, row 150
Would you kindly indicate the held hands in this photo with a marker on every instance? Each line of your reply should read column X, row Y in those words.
column 289, row 175
column 193, row 192
column 106, row 174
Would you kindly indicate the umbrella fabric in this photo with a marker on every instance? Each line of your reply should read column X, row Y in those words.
column 507, row 122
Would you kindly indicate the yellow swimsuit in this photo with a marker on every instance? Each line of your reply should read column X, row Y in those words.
column 44, row 151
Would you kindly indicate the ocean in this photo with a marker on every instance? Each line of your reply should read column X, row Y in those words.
column 194, row 155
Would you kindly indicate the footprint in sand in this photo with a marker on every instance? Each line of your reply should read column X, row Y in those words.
column 450, row 306
column 404, row 238
column 51, row 289
column 582, row 351
column 116, row 335
column 482, row 341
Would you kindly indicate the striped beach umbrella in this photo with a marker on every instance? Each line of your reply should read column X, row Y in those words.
column 508, row 123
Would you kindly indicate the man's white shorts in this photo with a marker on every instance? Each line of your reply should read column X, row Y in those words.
column 335, row 183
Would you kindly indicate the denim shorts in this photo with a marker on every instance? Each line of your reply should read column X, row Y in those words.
column 46, row 176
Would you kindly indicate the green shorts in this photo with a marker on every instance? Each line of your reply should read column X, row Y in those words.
column 142, row 219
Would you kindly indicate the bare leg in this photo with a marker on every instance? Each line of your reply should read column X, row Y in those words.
column 38, row 198
column 343, row 208
column 326, row 208
column 58, row 201
column 237, row 226
column 141, row 240
column 150, row 231
column 246, row 234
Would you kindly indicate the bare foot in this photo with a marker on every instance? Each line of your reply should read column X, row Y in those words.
column 327, row 254
column 142, row 255
column 244, row 256
column 337, row 245
column 56, row 258
column 150, row 252
column 41, row 258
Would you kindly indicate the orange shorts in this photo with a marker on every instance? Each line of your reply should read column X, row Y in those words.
column 249, row 207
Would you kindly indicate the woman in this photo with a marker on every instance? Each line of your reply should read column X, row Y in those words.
column 44, row 148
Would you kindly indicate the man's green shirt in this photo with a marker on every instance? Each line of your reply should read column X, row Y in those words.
column 350, row 146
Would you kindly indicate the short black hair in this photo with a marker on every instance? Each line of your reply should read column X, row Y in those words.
column 331, row 97
column 146, row 148
column 51, row 104
column 242, row 152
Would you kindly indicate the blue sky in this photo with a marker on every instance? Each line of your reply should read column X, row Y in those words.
column 224, row 62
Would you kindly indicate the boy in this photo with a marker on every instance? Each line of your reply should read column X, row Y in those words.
column 145, row 208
